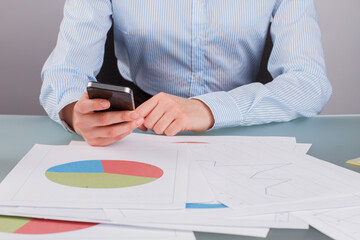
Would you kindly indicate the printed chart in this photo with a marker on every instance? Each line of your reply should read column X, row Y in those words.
column 84, row 177
column 104, row 174
column 20, row 225
column 246, row 177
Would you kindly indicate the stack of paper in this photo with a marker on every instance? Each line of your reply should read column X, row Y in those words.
column 171, row 186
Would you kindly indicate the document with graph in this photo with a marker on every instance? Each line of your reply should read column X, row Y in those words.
column 76, row 177
column 259, row 179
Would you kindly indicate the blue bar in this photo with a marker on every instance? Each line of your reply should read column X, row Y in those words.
column 204, row 206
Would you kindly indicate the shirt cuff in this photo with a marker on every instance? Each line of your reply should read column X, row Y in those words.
column 224, row 109
column 64, row 124
column 66, row 100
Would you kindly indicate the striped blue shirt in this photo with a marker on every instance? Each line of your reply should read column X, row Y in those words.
column 205, row 49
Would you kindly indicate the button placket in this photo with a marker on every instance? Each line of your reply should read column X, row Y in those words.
column 199, row 21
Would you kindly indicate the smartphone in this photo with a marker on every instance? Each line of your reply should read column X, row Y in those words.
column 121, row 98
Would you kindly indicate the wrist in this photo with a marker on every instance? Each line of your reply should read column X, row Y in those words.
column 207, row 113
column 66, row 115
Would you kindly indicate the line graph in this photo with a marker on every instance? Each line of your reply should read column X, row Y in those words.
column 258, row 171
column 249, row 175
column 279, row 181
column 261, row 173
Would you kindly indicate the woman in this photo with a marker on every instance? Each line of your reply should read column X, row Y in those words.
column 199, row 58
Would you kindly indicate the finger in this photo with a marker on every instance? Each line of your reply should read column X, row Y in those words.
column 144, row 109
column 142, row 128
column 174, row 128
column 86, row 122
column 101, row 142
column 163, row 123
column 112, row 117
column 86, row 105
column 113, row 131
column 154, row 116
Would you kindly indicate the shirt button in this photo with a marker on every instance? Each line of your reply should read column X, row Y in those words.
column 196, row 76
column 198, row 40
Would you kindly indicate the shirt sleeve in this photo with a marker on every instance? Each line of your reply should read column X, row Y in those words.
column 300, row 86
column 78, row 55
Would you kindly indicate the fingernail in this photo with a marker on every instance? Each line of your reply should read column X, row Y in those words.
column 134, row 115
column 104, row 104
column 139, row 122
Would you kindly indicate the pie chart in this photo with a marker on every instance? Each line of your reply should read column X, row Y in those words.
column 104, row 174
column 20, row 225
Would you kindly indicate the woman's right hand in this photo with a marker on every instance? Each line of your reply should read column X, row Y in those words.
column 99, row 128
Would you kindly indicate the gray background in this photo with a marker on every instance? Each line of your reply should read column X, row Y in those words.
column 29, row 30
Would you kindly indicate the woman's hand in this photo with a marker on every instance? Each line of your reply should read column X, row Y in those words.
column 99, row 128
column 169, row 114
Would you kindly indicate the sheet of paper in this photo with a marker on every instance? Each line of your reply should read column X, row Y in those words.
column 32, row 212
column 75, row 177
column 195, row 214
column 254, row 232
column 242, row 231
column 302, row 147
column 253, row 175
column 198, row 189
column 67, row 214
column 203, row 217
column 15, row 228
column 339, row 224
column 140, row 139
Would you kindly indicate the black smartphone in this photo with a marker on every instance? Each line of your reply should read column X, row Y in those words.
column 121, row 98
